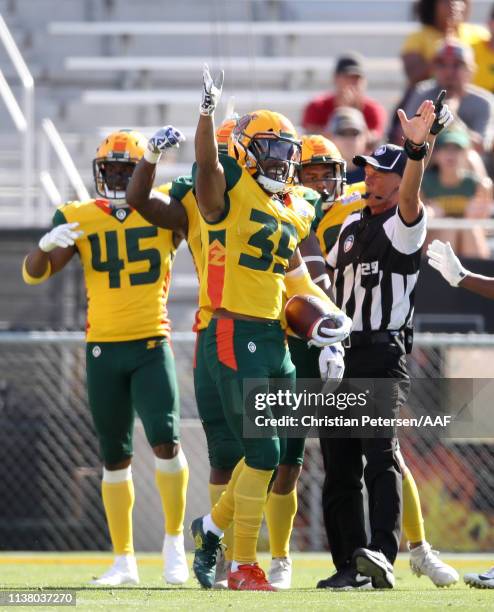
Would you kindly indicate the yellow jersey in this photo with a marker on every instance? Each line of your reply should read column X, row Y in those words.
column 247, row 251
column 484, row 72
column 127, row 267
column 182, row 190
column 426, row 40
column 328, row 223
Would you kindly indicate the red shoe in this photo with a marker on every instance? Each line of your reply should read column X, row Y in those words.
column 249, row 578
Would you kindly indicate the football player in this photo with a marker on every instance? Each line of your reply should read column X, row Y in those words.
column 321, row 176
column 173, row 206
column 250, row 239
column 130, row 364
column 443, row 259
column 322, row 168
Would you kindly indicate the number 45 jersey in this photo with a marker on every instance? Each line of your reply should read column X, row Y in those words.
column 127, row 265
column 246, row 253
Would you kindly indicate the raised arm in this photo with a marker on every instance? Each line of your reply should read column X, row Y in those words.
column 157, row 208
column 210, row 181
column 416, row 131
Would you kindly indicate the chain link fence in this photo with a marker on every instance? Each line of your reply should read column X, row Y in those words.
column 50, row 474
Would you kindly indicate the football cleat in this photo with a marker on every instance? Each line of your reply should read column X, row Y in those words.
column 123, row 571
column 280, row 573
column 206, row 550
column 481, row 581
column 223, row 567
column 425, row 562
column 175, row 564
column 249, row 577
column 373, row 563
column 346, row 579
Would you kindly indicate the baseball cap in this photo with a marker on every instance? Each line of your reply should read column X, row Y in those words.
column 457, row 137
column 346, row 118
column 350, row 63
column 387, row 158
column 455, row 50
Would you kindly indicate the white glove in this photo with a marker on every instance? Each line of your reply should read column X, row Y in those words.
column 61, row 236
column 443, row 259
column 332, row 366
column 443, row 120
column 211, row 91
column 322, row 335
column 165, row 138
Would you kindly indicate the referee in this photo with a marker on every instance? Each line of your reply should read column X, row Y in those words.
column 376, row 263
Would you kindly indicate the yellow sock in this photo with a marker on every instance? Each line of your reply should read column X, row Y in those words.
column 251, row 492
column 413, row 521
column 215, row 492
column 222, row 511
column 172, row 477
column 280, row 512
column 117, row 490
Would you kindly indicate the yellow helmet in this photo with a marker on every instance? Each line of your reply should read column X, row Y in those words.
column 115, row 160
column 320, row 151
column 223, row 132
column 266, row 144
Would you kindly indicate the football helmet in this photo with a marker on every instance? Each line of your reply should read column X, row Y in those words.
column 223, row 133
column 266, row 144
column 320, row 151
column 115, row 160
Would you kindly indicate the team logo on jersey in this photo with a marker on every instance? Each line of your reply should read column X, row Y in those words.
column 379, row 151
column 121, row 214
column 252, row 347
column 216, row 255
column 347, row 245
column 96, row 351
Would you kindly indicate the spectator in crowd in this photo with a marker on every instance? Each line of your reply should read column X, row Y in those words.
column 349, row 90
column 451, row 190
column 439, row 19
column 348, row 130
column 483, row 51
column 453, row 67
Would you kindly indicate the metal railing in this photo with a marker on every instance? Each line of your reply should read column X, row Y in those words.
column 58, row 193
column 23, row 119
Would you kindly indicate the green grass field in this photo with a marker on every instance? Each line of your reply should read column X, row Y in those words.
column 43, row 571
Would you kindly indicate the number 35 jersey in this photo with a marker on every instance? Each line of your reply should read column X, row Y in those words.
column 246, row 253
column 127, row 266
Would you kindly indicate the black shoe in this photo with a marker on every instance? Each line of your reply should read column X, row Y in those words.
column 346, row 579
column 374, row 564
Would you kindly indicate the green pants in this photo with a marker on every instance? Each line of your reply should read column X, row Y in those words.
column 306, row 361
column 125, row 378
column 224, row 449
column 236, row 350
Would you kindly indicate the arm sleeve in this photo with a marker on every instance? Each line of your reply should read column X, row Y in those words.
column 332, row 256
column 299, row 282
column 58, row 218
column 406, row 239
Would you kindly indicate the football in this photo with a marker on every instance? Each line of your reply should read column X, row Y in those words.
column 302, row 311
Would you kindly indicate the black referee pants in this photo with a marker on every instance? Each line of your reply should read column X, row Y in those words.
column 343, row 463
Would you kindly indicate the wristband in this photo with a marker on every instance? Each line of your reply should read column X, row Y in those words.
column 416, row 151
column 151, row 157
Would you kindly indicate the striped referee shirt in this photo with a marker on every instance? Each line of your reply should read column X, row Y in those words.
column 376, row 262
